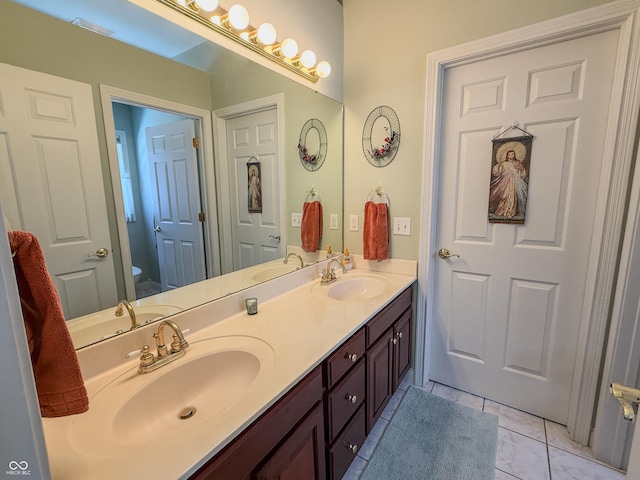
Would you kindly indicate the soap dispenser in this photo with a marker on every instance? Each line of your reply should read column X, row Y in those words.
column 329, row 252
column 346, row 260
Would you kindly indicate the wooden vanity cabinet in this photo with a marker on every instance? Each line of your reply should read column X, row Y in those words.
column 316, row 430
column 287, row 439
column 388, row 354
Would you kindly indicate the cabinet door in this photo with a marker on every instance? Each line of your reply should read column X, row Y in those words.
column 402, row 348
column 379, row 377
column 301, row 456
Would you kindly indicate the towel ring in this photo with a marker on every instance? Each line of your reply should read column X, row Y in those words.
column 312, row 196
column 378, row 195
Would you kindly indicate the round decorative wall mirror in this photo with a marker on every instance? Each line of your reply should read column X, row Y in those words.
column 381, row 136
column 312, row 146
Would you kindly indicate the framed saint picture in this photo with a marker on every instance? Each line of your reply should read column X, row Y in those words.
column 254, row 186
column 509, row 187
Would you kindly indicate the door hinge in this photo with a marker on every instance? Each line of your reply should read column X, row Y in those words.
column 201, row 217
column 196, row 142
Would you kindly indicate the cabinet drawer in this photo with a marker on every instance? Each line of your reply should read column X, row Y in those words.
column 345, row 399
column 383, row 320
column 344, row 358
column 345, row 448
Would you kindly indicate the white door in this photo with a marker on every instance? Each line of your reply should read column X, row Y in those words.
column 51, row 180
column 633, row 469
column 255, row 234
column 173, row 163
column 507, row 311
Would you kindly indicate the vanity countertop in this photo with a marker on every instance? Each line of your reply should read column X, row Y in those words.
column 301, row 327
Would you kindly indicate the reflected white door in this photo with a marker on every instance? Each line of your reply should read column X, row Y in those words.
column 173, row 163
column 51, row 182
column 508, row 310
column 255, row 235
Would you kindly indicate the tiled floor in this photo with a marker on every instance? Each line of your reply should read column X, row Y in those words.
column 529, row 447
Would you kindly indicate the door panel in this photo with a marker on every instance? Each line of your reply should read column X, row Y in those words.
column 177, row 197
column 255, row 236
column 508, row 310
column 52, row 182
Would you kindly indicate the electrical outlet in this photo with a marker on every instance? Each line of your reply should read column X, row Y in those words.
column 296, row 219
column 353, row 223
column 401, row 226
column 333, row 221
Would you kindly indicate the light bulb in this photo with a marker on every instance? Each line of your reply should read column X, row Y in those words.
column 238, row 17
column 215, row 19
column 308, row 58
column 207, row 5
column 245, row 36
column 267, row 34
column 323, row 69
column 182, row 2
column 289, row 48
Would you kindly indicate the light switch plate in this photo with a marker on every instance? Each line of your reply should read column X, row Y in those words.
column 296, row 219
column 401, row 226
column 333, row 221
column 353, row 223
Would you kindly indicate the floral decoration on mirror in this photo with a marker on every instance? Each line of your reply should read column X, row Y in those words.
column 310, row 160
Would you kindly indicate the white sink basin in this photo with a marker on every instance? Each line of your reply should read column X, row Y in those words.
column 92, row 328
column 214, row 378
column 354, row 287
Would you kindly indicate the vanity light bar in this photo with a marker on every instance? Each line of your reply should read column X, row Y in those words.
column 273, row 52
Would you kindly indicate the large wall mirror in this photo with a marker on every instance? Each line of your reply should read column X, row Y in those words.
column 241, row 112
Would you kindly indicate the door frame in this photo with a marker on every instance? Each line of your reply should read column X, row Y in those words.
column 202, row 117
column 618, row 154
column 220, row 117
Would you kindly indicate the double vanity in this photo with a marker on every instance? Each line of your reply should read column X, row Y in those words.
column 292, row 390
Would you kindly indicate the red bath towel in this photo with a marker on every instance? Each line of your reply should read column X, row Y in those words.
column 311, row 226
column 375, row 234
column 56, row 370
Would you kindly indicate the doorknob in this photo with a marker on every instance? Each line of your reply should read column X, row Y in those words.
column 444, row 253
column 275, row 237
column 629, row 399
column 101, row 252
column 157, row 229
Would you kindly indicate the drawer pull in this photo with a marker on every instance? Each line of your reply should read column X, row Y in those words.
column 353, row 448
column 394, row 341
column 353, row 357
column 352, row 398
column 399, row 335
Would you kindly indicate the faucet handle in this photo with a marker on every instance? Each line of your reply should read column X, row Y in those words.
column 146, row 358
column 176, row 344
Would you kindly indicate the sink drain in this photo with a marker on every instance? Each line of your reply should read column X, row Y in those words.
column 186, row 413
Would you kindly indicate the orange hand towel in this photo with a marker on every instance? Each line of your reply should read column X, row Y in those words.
column 56, row 370
column 311, row 226
column 375, row 234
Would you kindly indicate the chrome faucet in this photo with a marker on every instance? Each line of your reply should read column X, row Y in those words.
column 328, row 275
column 149, row 362
column 286, row 259
column 119, row 312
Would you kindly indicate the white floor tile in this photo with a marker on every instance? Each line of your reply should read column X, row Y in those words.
column 500, row 475
column 373, row 438
column 566, row 466
column 355, row 469
column 516, row 420
column 393, row 404
column 558, row 436
column 458, row 396
column 522, row 456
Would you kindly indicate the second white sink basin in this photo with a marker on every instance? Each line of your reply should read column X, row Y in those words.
column 354, row 287
column 213, row 378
